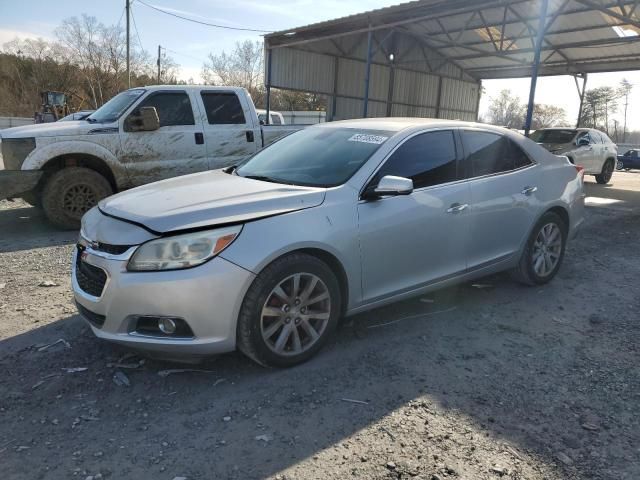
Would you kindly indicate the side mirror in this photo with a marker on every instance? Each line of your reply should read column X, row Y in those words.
column 389, row 186
column 583, row 142
column 146, row 120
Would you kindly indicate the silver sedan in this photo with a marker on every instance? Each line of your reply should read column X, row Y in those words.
column 330, row 221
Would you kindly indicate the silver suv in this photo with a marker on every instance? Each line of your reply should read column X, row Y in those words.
column 587, row 147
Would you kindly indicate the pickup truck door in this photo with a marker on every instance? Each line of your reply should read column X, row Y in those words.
column 229, row 130
column 176, row 148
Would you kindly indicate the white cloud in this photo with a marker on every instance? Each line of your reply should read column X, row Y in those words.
column 7, row 35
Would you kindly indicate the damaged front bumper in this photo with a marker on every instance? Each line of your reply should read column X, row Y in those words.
column 14, row 183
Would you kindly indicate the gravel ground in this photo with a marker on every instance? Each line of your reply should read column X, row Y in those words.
column 468, row 383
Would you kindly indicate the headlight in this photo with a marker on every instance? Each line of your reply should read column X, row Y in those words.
column 182, row 251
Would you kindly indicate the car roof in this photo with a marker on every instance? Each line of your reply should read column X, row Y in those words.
column 397, row 124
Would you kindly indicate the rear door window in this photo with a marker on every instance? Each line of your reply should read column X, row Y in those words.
column 223, row 108
column 428, row 159
column 489, row 153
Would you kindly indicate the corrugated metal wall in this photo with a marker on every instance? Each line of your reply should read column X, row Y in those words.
column 419, row 78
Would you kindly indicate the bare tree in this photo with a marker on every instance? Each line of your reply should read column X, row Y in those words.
column 625, row 90
column 599, row 104
column 243, row 67
column 545, row 116
column 100, row 53
column 506, row 110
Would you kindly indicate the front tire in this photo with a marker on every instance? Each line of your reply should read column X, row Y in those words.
column 607, row 172
column 69, row 193
column 289, row 311
column 543, row 252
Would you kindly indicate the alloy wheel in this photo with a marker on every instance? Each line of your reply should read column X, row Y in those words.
column 547, row 249
column 295, row 314
column 78, row 199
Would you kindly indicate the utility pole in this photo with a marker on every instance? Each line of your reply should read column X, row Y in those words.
column 127, row 7
column 159, row 47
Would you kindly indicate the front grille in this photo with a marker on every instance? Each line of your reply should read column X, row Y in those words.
column 91, row 279
column 93, row 318
column 111, row 249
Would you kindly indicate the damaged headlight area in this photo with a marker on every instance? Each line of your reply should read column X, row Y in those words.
column 15, row 151
column 182, row 251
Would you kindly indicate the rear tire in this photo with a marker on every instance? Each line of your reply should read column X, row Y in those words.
column 69, row 193
column 281, row 332
column 541, row 259
column 607, row 172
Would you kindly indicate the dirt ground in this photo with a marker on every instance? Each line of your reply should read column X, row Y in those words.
column 503, row 381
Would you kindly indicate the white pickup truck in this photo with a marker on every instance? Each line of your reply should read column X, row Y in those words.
column 139, row 136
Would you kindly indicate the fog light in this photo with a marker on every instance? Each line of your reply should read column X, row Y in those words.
column 167, row 326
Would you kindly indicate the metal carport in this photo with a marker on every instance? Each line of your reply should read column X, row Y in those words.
column 428, row 58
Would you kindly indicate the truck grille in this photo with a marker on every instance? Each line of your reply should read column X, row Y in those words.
column 91, row 279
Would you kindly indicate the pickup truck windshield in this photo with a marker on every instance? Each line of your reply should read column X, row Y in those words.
column 316, row 157
column 114, row 108
column 553, row 136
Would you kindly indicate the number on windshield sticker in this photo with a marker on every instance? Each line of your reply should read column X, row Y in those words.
column 364, row 138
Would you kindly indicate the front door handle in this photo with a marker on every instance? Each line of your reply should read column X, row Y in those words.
column 529, row 190
column 457, row 208
column 250, row 137
column 199, row 138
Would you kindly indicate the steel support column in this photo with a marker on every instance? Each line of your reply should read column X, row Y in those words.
column 536, row 63
column 334, row 98
column 268, row 100
column 581, row 93
column 365, row 103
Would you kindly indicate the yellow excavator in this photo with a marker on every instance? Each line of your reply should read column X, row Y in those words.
column 53, row 107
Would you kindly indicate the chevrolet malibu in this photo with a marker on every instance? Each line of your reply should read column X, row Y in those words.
column 330, row 221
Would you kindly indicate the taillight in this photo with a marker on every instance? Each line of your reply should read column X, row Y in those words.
column 580, row 170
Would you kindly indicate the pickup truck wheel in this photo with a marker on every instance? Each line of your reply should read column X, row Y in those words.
column 71, row 192
column 289, row 311
column 607, row 172
column 543, row 252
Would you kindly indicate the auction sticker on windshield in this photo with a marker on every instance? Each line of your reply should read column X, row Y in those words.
column 364, row 138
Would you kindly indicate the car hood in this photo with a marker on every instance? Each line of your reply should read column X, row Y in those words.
column 207, row 199
column 55, row 129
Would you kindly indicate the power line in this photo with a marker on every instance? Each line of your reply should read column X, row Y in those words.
column 121, row 15
column 135, row 27
column 183, row 54
column 203, row 23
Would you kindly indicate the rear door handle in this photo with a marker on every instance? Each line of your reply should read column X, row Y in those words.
column 250, row 137
column 457, row 208
column 529, row 190
column 199, row 138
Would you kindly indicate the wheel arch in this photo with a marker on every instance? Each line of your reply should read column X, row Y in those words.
column 562, row 212
column 89, row 161
column 331, row 261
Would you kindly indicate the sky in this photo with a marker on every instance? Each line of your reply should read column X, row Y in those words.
column 189, row 44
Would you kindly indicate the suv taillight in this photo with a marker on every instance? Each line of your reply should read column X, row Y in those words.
column 580, row 170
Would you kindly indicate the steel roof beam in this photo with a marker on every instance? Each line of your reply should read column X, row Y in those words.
column 607, row 11
column 604, row 42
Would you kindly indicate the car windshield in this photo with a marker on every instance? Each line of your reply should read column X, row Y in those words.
column 553, row 136
column 316, row 156
column 114, row 108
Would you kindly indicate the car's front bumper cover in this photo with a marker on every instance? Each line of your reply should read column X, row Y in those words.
column 207, row 297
